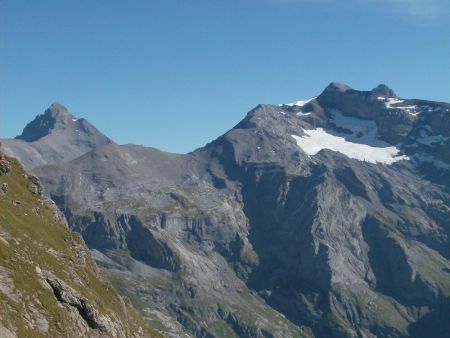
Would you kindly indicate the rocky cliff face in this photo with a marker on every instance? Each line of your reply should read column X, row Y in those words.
column 49, row 285
column 54, row 137
column 327, row 217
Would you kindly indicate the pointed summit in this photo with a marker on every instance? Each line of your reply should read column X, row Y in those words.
column 53, row 137
column 57, row 109
column 44, row 123
column 334, row 91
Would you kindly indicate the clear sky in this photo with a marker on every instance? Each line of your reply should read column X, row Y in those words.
column 175, row 74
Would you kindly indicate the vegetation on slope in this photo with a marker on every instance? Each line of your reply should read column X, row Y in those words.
column 49, row 285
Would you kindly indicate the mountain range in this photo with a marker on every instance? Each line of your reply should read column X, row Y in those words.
column 326, row 217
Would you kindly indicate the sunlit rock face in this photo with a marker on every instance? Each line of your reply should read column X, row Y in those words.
column 325, row 217
column 54, row 137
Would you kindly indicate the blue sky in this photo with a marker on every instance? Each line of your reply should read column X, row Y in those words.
column 175, row 74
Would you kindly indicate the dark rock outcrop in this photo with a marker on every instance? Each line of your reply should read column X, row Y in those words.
column 65, row 294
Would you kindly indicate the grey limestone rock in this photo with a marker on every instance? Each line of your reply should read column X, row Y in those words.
column 255, row 235
column 53, row 137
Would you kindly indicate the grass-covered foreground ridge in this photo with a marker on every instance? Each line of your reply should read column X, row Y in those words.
column 49, row 285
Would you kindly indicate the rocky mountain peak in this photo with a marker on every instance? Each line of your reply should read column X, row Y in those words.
column 55, row 115
column 336, row 87
column 336, row 92
column 55, row 136
column 57, row 110
column 384, row 91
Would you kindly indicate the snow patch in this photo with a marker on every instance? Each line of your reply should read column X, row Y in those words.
column 303, row 114
column 74, row 120
column 391, row 101
column 414, row 113
column 315, row 140
column 361, row 144
column 300, row 103
column 357, row 126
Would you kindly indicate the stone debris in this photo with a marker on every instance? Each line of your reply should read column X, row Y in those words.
column 5, row 167
column 34, row 185
column 3, row 189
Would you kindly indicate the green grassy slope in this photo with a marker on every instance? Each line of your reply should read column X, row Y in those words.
column 49, row 285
